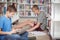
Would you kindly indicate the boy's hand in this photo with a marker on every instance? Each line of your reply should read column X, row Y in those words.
column 12, row 32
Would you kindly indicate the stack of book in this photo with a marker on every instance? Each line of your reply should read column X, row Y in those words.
column 38, row 1
column 1, row 8
column 14, row 0
column 20, row 1
column 27, row 7
column 47, row 1
column 9, row 0
column 41, row 8
column 21, row 13
column 28, row 13
column 24, row 1
column 21, row 6
column 28, row 1
column 3, row 0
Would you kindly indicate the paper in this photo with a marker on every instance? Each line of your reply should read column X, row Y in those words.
column 37, row 33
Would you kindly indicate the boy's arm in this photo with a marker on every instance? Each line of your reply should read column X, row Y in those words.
column 1, row 27
column 1, row 32
column 33, row 28
column 7, row 33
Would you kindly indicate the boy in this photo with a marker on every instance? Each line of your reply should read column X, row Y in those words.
column 42, row 22
column 6, row 30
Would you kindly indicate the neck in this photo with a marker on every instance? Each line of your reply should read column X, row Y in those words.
column 6, row 15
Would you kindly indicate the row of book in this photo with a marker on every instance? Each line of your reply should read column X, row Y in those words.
column 29, row 7
column 8, row 0
column 33, row 1
column 2, row 8
column 3, row 0
column 24, row 1
column 26, row 13
column 11, row 0
column 28, row 1
column 24, row 7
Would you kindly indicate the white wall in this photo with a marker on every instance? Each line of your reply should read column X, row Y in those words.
column 57, row 29
column 55, row 20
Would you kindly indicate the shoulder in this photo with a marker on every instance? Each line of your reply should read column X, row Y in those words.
column 2, row 18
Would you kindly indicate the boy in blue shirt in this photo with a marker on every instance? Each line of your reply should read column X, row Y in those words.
column 6, row 30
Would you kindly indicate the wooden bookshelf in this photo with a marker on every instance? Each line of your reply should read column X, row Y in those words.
column 24, row 7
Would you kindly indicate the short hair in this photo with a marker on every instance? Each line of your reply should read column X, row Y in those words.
column 11, row 8
column 35, row 6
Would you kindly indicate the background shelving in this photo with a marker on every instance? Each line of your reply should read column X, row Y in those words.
column 55, row 19
column 24, row 8
column 29, row 3
column 3, row 1
column 55, row 1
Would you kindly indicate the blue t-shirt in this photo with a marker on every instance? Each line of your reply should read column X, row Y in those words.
column 5, row 24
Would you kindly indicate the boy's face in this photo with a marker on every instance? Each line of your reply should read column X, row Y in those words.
column 35, row 10
column 11, row 14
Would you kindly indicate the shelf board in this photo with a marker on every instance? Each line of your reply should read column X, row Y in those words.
column 41, row 5
column 28, row 9
column 21, row 9
column 28, row 16
column 2, row 2
column 25, row 3
column 14, row 2
column 28, row 3
column 24, row 10
column 11, row 2
column 20, row 3
column 55, row 3
column 37, row 4
column 56, row 19
column 57, row 36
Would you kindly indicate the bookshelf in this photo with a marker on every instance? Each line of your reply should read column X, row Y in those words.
column 55, row 1
column 3, row 1
column 24, row 8
column 2, row 8
column 55, row 19
column 27, row 5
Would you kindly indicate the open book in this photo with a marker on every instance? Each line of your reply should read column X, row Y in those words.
column 21, row 31
column 37, row 33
